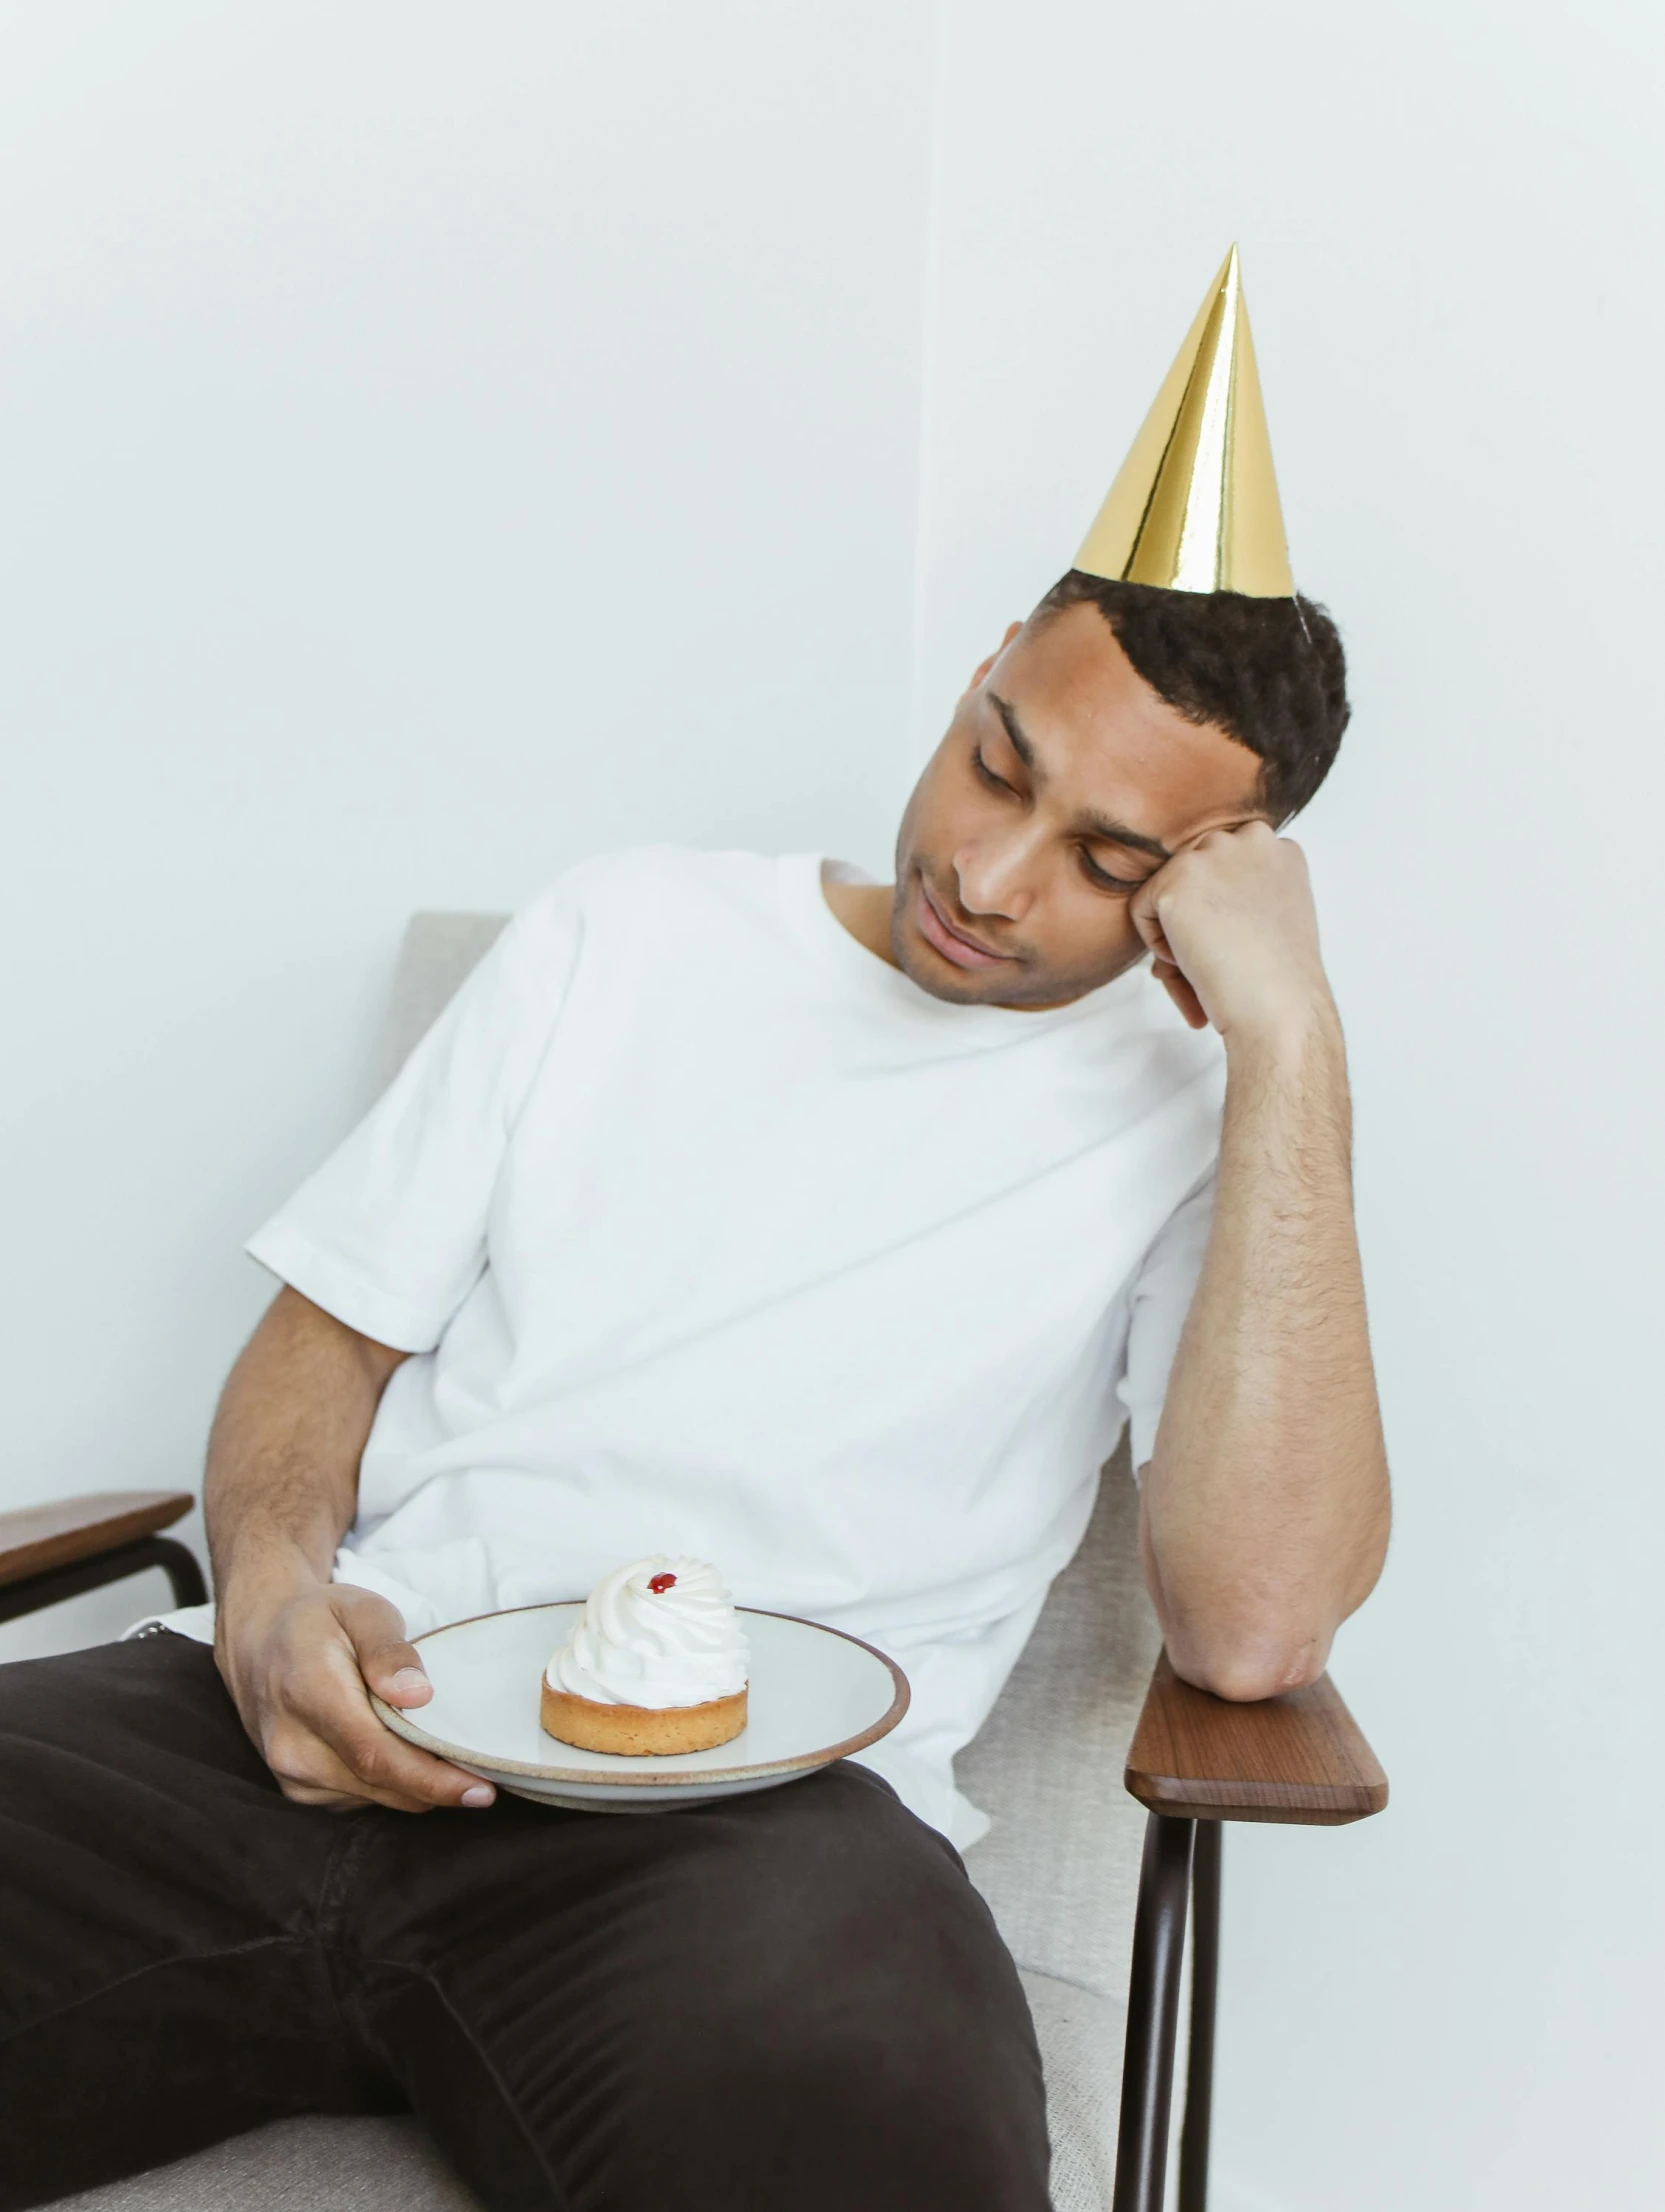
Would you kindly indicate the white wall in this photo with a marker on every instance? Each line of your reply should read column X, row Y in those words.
column 437, row 443
column 354, row 358
column 1450, row 219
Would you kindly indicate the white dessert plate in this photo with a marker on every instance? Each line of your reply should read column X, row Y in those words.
column 816, row 1694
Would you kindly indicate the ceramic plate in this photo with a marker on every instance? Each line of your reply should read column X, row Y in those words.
column 816, row 1694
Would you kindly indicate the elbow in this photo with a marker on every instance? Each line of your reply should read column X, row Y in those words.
column 1245, row 1671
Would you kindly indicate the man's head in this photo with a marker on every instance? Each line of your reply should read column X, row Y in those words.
column 1116, row 725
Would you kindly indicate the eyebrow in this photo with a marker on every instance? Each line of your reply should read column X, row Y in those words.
column 1093, row 824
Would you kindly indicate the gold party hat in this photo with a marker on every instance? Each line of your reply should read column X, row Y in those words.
column 1195, row 507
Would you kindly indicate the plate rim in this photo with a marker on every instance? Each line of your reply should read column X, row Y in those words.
column 402, row 1724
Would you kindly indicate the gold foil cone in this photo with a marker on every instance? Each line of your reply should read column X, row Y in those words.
column 1195, row 507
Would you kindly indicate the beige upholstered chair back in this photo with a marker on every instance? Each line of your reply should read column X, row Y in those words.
column 1061, row 1865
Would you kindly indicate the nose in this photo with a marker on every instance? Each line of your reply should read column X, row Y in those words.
column 993, row 878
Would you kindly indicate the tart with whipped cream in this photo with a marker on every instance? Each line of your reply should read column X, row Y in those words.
column 657, row 1663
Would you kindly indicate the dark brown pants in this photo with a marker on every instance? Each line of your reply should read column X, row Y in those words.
column 791, row 2000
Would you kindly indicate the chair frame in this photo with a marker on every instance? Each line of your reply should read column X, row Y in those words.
column 52, row 1552
column 1195, row 1762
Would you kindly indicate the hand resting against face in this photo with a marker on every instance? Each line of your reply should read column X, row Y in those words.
column 1234, row 934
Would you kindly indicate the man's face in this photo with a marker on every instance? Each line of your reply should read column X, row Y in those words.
column 1062, row 785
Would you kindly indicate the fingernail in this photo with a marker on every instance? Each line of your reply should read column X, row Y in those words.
column 408, row 1681
column 480, row 1794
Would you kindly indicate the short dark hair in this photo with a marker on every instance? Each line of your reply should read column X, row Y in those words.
column 1269, row 672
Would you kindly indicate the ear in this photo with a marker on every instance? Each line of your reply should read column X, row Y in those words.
column 980, row 675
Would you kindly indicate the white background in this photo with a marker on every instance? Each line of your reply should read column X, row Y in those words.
column 438, row 442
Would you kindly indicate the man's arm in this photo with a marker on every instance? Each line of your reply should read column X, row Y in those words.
column 1265, row 1504
column 295, row 1649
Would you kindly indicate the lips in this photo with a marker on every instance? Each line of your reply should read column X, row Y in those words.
column 941, row 935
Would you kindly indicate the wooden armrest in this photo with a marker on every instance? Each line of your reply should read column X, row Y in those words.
column 38, row 1537
column 1299, row 1758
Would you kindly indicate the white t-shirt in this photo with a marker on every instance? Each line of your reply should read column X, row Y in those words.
column 713, row 1234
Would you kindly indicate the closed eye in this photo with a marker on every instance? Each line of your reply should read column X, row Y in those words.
column 1102, row 877
column 987, row 774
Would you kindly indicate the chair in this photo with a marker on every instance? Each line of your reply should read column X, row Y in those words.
column 1092, row 1884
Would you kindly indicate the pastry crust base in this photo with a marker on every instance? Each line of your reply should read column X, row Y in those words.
column 641, row 1731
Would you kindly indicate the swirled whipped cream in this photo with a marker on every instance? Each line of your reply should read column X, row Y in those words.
column 657, row 1633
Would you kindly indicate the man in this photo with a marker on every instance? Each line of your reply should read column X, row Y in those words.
column 828, row 1231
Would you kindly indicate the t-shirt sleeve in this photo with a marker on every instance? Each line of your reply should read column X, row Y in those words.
column 1160, row 1300
column 389, row 1235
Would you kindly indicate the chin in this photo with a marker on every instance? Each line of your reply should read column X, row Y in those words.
column 922, row 964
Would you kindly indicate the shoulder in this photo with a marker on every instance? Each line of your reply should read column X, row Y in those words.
column 643, row 884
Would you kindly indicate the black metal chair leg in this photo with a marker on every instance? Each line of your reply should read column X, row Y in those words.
column 1205, row 1982
column 178, row 1564
column 1153, row 2015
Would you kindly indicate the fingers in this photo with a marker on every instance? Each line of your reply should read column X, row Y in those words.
column 317, row 1777
column 328, row 1745
column 385, row 1765
column 1164, row 966
column 309, row 1773
column 1174, row 983
column 391, row 1666
column 1143, row 914
column 388, row 1662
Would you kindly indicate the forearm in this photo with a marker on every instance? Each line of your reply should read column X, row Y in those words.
column 298, row 1654
column 283, row 1455
column 1266, row 1501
